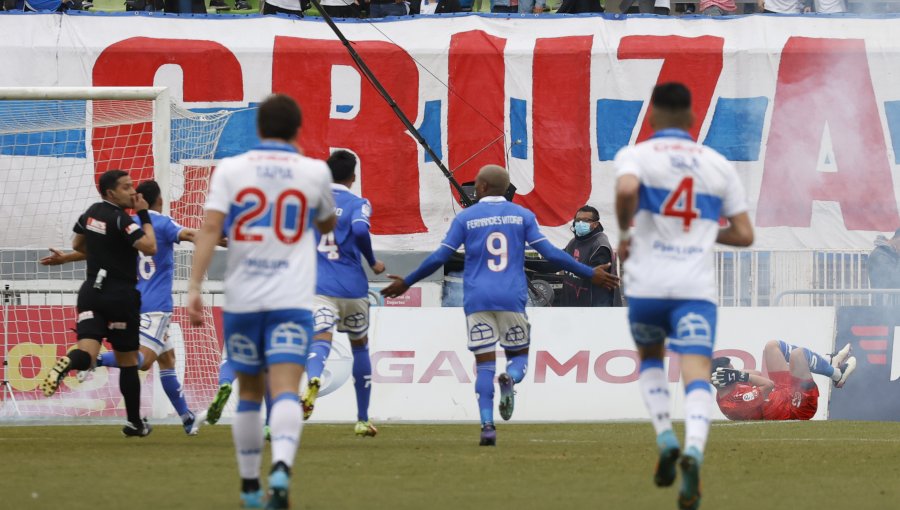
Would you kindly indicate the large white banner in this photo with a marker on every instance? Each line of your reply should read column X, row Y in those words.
column 807, row 108
column 582, row 363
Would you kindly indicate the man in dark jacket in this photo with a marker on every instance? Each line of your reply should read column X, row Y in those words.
column 884, row 265
column 589, row 246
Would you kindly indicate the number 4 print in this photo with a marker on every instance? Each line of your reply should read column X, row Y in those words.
column 680, row 203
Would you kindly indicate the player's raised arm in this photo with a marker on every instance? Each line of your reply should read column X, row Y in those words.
column 146, row 244
column 438, row 258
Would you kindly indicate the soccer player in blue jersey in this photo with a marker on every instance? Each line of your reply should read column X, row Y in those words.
column 155, row 275
column 495, row 232
column 342, row 291
column 674, row 190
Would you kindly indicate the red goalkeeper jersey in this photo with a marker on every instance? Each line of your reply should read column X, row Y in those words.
column 741, row 402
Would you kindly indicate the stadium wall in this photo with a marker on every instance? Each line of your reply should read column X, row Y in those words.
column 806, row 107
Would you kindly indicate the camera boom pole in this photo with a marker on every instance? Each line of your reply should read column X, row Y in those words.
column 364, row 69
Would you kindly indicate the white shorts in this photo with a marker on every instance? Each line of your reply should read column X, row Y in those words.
column 511, row 329
column 155, row 331
column 350, row 315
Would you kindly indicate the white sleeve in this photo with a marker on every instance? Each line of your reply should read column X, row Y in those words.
column 326, row 197
column 218, row 198
column 734, row 201
column 626, row 163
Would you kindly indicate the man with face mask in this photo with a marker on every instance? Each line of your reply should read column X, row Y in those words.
column 590, row 246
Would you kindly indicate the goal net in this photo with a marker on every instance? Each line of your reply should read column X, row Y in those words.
column 54, row 143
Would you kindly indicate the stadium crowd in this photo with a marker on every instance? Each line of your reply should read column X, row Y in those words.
column 384, row 8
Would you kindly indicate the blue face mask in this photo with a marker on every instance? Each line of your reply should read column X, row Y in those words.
column 582, row 228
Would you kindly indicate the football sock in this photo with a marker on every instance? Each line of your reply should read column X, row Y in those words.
column 248, row 438
column 484, row 389
column 130, row 386
column 697, row 405
column 517, row 366
column 817, row 364
column 315, row 360
column 362, row 380
column 226, row 373
column 655, row 391
column 79, row 360
column 108, row 359
column 286, row 425
column 172, row 386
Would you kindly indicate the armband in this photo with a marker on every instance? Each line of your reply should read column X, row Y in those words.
column 144, row 216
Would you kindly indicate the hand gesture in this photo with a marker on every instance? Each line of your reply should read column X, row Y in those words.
column 195, row 307
column 378, row 267
column 139, row 203
column 604, row 279
column 396, row 288
column 56, row 258
column 760, row 5
column 724, row 377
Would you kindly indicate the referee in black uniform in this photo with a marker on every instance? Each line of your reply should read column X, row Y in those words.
column 108, row 303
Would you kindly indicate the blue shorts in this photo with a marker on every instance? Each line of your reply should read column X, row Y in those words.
column 257, row 340
column 690, row 324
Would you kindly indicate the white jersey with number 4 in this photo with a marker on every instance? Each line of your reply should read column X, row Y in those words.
column 270, row 197
column 685, row 188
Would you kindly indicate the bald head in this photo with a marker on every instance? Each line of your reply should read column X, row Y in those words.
column 492, row 181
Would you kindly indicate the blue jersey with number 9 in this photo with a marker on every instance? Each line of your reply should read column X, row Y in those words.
column 494, row 233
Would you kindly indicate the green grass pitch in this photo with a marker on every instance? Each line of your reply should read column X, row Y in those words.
column 808, row 465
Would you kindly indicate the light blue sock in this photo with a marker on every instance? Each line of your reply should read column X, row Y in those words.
column 315, row 358
column 484, row 389
column 226, row 373
column 108, row 359
column 517, row 366
column 172, row 387
column 817, row 364
column 362, row 381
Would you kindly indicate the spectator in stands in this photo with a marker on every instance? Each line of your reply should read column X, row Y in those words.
column 477, row 5
column 718, row 7
column 384, row 8
column 830, row 6
column 782, row 6
column 590, row 246
column 660, row 7
column 447, row 6
column 341, row 8
column 534, row 6
column 579, row 6
column 884, row 264
column 294, row 7
column 505, row 6
column 239, row 5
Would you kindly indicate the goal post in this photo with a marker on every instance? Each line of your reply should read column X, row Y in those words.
column 54, row 144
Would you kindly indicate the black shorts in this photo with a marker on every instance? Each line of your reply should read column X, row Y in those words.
column 113, row 313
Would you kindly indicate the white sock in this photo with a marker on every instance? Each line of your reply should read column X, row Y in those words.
column 697, row 406
column 247, row 432
column 655, row 390
column 836, row 376
column 285, row 425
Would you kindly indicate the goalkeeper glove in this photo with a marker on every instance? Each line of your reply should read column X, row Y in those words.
column 723, row 377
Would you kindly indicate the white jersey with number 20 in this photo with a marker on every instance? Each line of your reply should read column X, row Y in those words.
column 270, row 196
column 685, row 188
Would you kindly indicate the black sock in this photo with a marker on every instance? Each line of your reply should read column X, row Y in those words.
column 79, row 360
column 249, row 484
column 280, row 465
column 130, row 386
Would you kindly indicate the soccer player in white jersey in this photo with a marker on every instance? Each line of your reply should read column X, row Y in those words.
column 675, row 190
column 267, row 200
